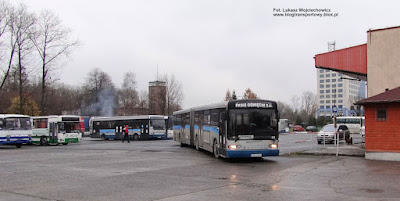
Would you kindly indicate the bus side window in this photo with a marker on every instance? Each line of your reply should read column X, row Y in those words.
column 214, row 117
column 206, row 117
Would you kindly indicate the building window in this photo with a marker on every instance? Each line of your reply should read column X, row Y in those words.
column 340, row 100
column 321, row 91
column 321, row 107
column 340, row 85
column 340, row 95
column 340, row 80
column 333, row 85
column 321, row 81
column 381, row 114
column 340, row 90
column 333, row 80
column 328, row 80
column 328, row 101
column 328, row 96
column 340, row 74
column 333, row 75
column 327, row 75
column 328, row 107
column 340, row 106
column 321, row 70
column 321, row 75
column 328, row 91
column 321, row 86
column 321, row 102
column 321, row 96
column 328, row 86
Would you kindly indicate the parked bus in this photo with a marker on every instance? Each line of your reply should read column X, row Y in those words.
column 140, row 127
column 234, row 129
column 62, row 129
column 15, row 130
column 283, row 125
column 354, row 123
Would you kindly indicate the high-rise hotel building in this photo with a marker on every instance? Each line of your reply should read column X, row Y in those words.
column 342, row 93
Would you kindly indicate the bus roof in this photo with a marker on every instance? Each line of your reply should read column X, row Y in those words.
column 127, row 117
column 12, row 115
column 231, row 104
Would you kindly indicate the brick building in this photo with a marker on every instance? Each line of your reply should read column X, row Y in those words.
column 382, row 133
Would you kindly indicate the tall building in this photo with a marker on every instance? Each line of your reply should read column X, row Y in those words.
column 157, row 97
column 343, row 93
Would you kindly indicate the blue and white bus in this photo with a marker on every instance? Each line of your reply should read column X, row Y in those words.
column 234, row 129
column 140, row 127
column 15, row 130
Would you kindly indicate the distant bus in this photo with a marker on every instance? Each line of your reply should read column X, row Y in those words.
column 140, row 127
column 354, row 123
column 283, row 125
column 234, row 129
column 54, row 129
column 15, row 130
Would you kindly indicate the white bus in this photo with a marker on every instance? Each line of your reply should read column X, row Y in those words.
column 15, row 130
column 234, row 129
column 283, row 125
column 140, row 127
column 353, row 123
column 61, row 129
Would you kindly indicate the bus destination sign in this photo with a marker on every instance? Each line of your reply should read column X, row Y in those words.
column 253, row 105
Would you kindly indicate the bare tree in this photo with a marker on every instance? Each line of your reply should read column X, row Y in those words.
column 52, row 42
column 309, row 103
column 22, row 28
column 249, row 94
column 143, row 104
column 128, row 96
column 6, row 15
column 100, row 95
column 174, row 94
column 228, row 96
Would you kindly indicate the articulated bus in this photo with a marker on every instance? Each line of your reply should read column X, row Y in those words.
column 15, row 129
column 61, row 129
column 354, row 123
column 140, row 127
column 234, row 129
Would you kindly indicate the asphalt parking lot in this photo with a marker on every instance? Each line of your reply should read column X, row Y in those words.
column 162, row 170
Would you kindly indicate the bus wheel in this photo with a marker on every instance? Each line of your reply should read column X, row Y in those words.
column 43, row 140
column 215, row 148
column 197, row 144
column 19, row 145
column 65, row 143
column 135, row 137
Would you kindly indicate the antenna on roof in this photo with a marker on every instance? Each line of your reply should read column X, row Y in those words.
column 331, row 46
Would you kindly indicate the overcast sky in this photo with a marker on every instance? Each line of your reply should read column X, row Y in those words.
column 212, row 45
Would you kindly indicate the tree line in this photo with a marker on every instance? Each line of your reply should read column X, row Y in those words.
column 32, row 49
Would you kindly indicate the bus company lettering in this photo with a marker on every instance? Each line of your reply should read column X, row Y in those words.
column 253, row 105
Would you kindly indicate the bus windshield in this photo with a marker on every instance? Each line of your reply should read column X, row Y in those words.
column 261, row 123
column 21, row 123
column 70, row 127
column 158, row 124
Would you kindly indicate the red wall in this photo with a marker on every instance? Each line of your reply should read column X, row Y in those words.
column 382, row 136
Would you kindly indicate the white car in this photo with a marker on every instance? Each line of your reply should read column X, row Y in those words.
column 327, row 133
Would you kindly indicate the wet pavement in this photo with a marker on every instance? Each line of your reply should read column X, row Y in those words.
column 162, row 170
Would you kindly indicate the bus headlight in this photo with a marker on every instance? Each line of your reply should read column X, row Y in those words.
column 273, row 146
column 233, row 147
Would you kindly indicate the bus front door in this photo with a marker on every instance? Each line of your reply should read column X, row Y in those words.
column 53, row 139
column 144, row 129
